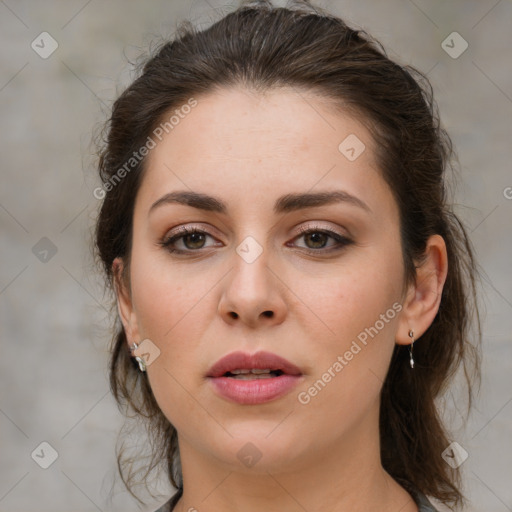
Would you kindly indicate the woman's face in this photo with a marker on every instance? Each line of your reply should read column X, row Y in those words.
column 328, row 301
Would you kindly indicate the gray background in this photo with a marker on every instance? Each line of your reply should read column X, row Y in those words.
column 53, row 315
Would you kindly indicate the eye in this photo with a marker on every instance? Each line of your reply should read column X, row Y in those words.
column 316, row 239
column 192, row 238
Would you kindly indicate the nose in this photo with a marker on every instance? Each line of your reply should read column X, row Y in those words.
column 253, row 293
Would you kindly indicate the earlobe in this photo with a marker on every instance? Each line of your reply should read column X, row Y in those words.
column 124, row 301
column 424, row 296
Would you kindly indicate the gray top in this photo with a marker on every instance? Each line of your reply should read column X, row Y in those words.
column 421, row 500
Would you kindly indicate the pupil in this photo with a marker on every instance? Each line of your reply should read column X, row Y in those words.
column 195, row 237
column 316, row 238
column 314, row 235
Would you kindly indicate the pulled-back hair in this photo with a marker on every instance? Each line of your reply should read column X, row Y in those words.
column 262, row 47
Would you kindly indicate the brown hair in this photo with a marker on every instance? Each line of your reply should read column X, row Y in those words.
column 261, row 47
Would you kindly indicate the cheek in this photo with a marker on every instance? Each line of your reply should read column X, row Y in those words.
column 354, row 297
column 170, row 313
column 351, row 365
column 170, row 310
column 164, row 299
column 359, row 306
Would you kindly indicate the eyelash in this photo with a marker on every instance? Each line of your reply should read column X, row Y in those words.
column 343, row 241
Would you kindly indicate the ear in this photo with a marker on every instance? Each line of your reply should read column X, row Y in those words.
column 424, row 296
column 124, row 302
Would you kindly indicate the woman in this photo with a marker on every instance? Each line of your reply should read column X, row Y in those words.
column 292, row 285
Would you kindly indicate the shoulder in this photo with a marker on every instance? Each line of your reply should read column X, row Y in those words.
column 422, row 501
column 163, row 508
column 168, row 506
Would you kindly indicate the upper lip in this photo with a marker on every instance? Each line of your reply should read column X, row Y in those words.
column 260, row 360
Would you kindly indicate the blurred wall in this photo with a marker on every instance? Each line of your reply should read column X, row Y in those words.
column 53, row 314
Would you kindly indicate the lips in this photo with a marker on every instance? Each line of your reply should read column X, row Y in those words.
column 254, row 379
column 260, row 361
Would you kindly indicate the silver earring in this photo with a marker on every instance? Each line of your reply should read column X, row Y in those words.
column 411, row 360
column 142, row 364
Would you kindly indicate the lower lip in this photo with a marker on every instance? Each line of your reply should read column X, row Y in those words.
column 255, row 391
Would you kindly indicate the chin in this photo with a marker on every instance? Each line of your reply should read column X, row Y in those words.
column 262, row 450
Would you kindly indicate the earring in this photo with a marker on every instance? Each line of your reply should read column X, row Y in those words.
column 142, row 364
column 411, row 360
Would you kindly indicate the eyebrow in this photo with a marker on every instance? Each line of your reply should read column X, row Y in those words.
column 284, row 204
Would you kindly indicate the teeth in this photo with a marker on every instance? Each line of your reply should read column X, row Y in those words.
column 252, row 376
column 256, row 371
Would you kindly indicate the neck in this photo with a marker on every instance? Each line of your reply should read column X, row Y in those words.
column 345, row 477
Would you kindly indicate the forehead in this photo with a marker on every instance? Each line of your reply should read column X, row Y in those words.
column 238, row 121
column 243, row 144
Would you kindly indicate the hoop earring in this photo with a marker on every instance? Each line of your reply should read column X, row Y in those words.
column 411, row 360
column 142, row 364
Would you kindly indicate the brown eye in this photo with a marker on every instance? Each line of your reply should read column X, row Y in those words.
column 192, row 240
column 316, row 239
column 196, row 240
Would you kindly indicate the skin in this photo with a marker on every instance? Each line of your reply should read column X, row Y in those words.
column 248, row 149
